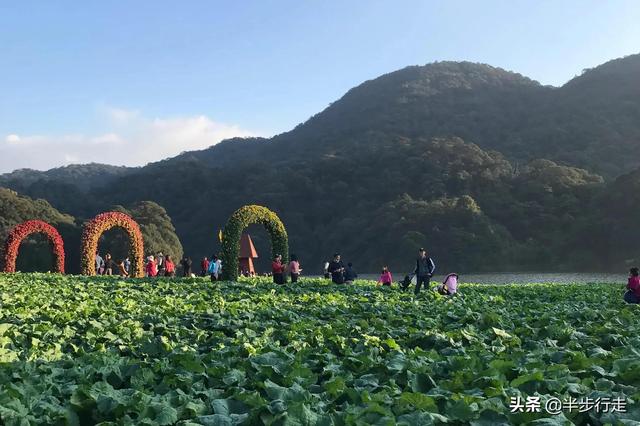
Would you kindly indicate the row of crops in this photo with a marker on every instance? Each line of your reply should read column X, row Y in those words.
column 78, row 350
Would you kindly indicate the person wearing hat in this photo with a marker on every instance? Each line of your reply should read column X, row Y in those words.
column 425, row 267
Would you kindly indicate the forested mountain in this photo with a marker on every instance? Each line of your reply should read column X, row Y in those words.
column 487, row 168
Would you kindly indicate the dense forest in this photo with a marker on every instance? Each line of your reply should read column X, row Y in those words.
column 488, row 169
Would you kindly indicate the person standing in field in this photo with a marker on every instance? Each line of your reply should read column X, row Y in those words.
column 219, row 262
column 385, row 278
column 277, row 268
column 350, row 274
column 160, row 263
column 169, row 267
column 336, row 269
column 186, row 266
column 99, row 264
column 212, row 270
column 109, row 264
column 294, row 268
column 425, row 267
column 152, row 267
column 123, row 269
column 632, row 294
column 127, row 265
column 204, row 267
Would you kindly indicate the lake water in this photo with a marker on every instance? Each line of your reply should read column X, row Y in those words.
column 525, row 277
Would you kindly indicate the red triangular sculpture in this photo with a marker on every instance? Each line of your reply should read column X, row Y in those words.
column 247, row 254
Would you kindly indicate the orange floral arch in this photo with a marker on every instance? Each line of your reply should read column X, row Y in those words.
column 97, row 226
column 22, row 231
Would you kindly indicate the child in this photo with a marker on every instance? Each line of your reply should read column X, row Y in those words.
column 633, row 287
column 385, row 277
column 449, row 286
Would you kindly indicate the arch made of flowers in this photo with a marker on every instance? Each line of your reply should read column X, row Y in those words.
column 97, row 226
column 22, row 231
column 232, row 232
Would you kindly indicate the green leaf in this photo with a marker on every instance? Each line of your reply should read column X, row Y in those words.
column 164, row 414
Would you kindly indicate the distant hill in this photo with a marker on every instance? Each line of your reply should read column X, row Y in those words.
column 591, row 122
column 490, row 169
column 83, row 176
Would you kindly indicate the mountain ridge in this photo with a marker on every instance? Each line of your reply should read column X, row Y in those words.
column 489, row 168
column 440, row 72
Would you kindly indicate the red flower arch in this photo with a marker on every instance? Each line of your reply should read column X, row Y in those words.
column 22, row 231
column 98, row 226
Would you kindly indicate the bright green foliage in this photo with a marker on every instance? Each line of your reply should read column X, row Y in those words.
column 238, row 221
column 78, row 350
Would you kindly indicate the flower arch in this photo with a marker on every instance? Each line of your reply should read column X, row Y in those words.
column 232, row 232
column 97, row 226
column 22, row 231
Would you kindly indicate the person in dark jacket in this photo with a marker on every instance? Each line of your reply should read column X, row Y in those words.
column 109, row 265
column 186, row 266
column 349, row 274
column 336, row 269
column 425, row 267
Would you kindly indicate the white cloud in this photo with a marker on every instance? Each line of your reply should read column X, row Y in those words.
column 131, row 139
column 12, row 139
column 121, row 116
column 108, row 139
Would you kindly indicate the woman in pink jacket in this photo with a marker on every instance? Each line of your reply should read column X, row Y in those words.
column 385, row 277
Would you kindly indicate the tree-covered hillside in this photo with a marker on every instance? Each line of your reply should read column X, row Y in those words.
column 487, row 168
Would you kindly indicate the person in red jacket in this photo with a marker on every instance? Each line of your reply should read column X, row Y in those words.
column 204, row 267
column 633, row 287
column 277, row 268
column 169, row 267
column 152, row 267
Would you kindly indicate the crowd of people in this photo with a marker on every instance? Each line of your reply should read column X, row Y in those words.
column 161, row 265
column 341, row 274
column 158, row 265
column 107, row 266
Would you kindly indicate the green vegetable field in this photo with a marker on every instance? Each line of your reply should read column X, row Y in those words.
column 79, row 350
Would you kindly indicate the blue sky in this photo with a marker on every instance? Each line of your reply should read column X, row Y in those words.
column 127, row 82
